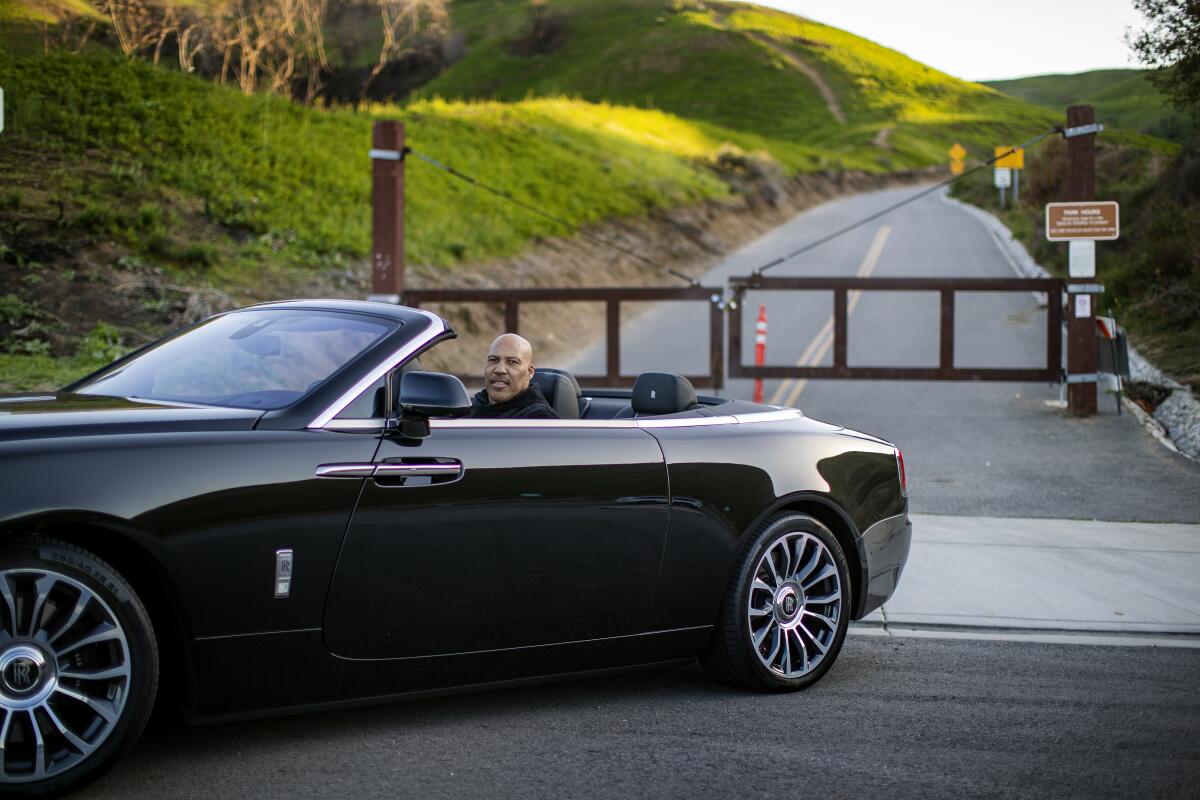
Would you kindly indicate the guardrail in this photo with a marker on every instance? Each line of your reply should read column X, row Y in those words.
column 513, row 299
column 944, row 371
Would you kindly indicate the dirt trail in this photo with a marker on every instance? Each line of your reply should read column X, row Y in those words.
column 831, row 101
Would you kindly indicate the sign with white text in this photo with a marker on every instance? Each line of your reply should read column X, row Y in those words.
column 1095, row 220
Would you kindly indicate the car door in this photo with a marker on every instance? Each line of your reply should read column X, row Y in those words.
column 496, row 534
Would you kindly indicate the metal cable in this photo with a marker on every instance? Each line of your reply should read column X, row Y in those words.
column 906, row 201
column 547, row 215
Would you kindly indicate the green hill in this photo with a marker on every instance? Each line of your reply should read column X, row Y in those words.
column 758, row 72
column 1124, row 98
column 131, row 190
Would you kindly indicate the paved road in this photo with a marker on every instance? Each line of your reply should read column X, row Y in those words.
column 971, row 448
column 896, row 718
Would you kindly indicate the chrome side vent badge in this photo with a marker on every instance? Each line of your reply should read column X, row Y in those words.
column 283, row 573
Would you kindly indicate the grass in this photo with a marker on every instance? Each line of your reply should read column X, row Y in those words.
column 1124, row 98
column 703, row 63
column 41, row 373
column 271, row 168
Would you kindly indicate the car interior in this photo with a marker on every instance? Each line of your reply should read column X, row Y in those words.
column 654, row 394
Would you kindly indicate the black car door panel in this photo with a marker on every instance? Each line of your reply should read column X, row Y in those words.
column 482, row 538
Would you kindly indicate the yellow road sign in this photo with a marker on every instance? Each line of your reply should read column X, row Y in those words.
column 1014, row 160
column 957, row 152
column 956, row 168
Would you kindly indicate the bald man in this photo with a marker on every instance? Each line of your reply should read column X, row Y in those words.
column 507, row 393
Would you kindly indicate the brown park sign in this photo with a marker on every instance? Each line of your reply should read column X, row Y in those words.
column 1095, row 220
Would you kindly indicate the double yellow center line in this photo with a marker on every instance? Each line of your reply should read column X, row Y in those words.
column 819, row 346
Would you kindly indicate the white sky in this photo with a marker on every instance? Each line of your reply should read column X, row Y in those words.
column 987, row 40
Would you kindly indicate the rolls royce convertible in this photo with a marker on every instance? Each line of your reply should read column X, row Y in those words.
column 277, row 509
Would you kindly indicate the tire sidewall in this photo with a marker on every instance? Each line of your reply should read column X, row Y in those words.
column 78, row 564
column 771, row 532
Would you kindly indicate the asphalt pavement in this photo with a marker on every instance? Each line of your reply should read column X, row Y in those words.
column 995, row 449
column 895, row 718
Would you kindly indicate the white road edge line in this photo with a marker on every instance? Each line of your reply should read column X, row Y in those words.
column 1093, row 638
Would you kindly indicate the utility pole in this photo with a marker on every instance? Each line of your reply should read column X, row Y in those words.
column 1081, row 325
column 387, row 211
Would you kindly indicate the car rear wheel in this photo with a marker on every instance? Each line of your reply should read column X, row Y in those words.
column 78, row 666
column 785, row 613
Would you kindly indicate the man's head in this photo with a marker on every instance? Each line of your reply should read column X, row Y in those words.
column 508, row 368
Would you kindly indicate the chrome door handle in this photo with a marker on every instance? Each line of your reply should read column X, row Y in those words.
column 443, row 470
column 430, row 470
column 345, row 470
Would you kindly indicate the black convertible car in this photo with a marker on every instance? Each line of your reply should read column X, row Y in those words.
column 276, row 509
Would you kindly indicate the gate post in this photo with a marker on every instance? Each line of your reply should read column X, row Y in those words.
column 1081, row 329
column 387, row 211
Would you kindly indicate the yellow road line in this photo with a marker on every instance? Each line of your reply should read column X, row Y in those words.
column 820, row 344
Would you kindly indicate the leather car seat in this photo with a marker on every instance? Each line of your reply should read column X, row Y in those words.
column 561, row 391
column 657, row 393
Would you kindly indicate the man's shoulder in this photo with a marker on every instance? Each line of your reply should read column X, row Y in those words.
column 538, row 410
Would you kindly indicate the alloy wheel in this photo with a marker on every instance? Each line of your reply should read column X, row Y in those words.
column 65, row 673
column 794, row 605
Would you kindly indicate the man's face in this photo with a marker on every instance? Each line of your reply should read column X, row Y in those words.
column 508, row 368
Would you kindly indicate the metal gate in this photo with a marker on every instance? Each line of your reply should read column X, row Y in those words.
column 944, row 371
column 612, row 299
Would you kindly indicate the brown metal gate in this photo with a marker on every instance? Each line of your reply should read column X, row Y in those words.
column 944, row 371
column 512, row 299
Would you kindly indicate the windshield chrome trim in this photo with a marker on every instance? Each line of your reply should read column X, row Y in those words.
column 436, row 327
column 364, row 424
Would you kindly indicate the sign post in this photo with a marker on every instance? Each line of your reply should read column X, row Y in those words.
column 1081, row 325
column 1002, row 180
column 387, row 211
column 1011, row 159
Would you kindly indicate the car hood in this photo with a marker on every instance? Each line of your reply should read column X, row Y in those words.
column 54, row 415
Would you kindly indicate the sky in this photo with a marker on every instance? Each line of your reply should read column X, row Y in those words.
column 987, row 40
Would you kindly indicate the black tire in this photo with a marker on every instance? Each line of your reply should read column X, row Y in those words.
column 811, row 627
column 88, row 701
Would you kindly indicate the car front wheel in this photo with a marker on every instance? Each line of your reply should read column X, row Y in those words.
column 786, row 610
column 78, row 666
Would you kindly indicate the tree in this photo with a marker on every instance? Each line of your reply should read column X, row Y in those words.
column 402, row 20
column 1171, row 45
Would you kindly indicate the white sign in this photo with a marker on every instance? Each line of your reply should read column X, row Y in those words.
column 1083, row 306
column 1003, row 177
column 1082, row 259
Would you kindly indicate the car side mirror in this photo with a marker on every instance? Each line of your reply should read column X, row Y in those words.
column 428, row 394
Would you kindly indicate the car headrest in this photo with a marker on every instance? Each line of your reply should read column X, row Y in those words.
column 662, row 393
column 561, row 391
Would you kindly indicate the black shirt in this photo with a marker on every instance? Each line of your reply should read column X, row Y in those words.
column 529, row 404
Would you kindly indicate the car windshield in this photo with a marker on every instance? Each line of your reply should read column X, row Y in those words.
column 263, row 359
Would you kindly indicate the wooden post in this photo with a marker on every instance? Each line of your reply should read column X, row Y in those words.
column 1081, row 329
column 387, row 211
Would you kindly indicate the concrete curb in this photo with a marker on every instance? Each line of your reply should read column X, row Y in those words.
column 1176, row 421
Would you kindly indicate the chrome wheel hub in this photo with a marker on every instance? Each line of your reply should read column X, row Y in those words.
column 64, row 673
column 795, row 605
column 27, row 675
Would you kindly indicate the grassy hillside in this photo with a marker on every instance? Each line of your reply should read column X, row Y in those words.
column 133, row 194
column 732, row 65
column 1124, row 98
